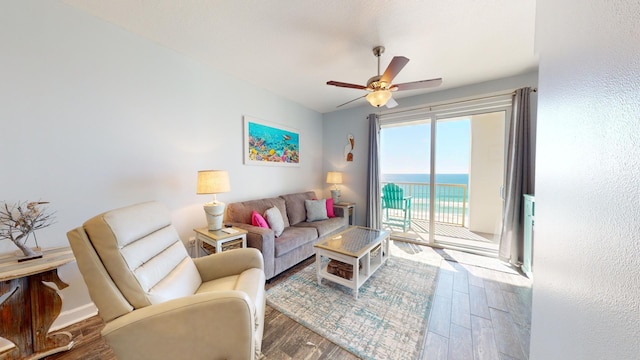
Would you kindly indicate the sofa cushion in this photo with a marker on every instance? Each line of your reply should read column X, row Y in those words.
column 326, row 227
column 292, row 238
column 316, row 210
column 294, row 204
column 240, row 212
column 258, row 220
column 275, row 221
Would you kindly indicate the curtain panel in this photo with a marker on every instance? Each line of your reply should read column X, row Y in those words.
column 519, row 177
column 373, row 174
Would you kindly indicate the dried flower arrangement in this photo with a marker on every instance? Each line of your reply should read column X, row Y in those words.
column 19, row 221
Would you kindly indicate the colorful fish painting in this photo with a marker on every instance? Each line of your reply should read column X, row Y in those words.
column 270, row 144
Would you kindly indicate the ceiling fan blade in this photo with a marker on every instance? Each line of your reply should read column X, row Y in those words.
column 397, row 63
column 391, row 103
column 350, row 101
column 422, row 84
column 346, row 85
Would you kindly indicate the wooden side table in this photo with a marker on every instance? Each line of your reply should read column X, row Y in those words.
column 349, row 211
column 218, row 238
column 28, row 307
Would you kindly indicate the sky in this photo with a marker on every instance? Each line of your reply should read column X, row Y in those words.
column 406, row 149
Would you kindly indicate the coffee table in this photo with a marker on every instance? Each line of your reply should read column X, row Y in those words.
column 354, row 246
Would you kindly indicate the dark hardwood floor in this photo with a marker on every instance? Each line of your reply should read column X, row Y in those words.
column 87, row 342
column 477, row 314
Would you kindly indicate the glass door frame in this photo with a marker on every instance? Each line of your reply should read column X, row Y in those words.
column 433, row 163
column 436, row 112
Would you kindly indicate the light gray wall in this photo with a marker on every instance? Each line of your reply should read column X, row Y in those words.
column 338, row 124
column 94, row 118
column 586, row 291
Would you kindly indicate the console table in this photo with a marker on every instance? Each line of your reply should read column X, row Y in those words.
column 28, row 306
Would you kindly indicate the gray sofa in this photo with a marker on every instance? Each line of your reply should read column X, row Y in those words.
column 297, row 240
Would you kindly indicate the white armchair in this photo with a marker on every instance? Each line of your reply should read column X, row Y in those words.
column 156, row 301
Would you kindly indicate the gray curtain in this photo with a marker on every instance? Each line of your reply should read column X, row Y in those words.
column 519, row 177
column 373, row 174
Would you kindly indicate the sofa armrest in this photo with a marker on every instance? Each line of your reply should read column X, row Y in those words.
column 252, row 229
column 262, row 239
column 232, row 262
column 172, row 329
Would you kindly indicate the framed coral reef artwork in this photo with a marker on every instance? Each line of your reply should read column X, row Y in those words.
column 267, row 143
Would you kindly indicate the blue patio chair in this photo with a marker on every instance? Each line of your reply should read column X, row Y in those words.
column 393, row 199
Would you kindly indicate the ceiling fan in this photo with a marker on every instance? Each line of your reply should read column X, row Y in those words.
column 380, row 87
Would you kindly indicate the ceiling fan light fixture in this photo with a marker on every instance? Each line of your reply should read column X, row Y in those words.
column 381, row 85
column 379, row 97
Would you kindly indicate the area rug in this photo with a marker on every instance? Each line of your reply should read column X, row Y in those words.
column 389, row 318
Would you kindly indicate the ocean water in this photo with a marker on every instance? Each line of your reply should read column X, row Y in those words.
column 425, row 178
column 450, row 201
column 450, row 193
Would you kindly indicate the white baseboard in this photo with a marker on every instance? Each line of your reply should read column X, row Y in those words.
column 73, row 316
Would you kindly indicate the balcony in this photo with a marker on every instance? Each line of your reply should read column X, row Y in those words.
column 451, row 210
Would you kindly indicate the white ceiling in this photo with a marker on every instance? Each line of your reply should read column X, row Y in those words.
column 293, row 47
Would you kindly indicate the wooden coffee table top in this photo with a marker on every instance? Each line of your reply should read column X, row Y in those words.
column 354, row 241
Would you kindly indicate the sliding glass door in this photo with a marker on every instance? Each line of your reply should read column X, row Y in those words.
column 449, row 168
column 469, row 171
column 405, row 164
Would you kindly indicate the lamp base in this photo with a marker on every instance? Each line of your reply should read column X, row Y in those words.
column 214, row 213
column 335, row 194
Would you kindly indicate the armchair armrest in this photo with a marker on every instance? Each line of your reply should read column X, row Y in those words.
column 215, row 325
column 232, row 262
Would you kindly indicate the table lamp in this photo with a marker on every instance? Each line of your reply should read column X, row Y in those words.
column 213, row 182
column 335, row 178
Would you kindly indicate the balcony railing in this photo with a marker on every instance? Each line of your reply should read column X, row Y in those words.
column 450, row 201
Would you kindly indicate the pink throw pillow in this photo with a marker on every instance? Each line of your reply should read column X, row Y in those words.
column 330, row 212
column 258, row 220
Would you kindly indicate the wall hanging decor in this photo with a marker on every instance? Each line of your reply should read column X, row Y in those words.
column 348, row 149
column 267, row 143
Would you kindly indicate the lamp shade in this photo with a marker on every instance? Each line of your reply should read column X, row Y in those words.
column 334, row 177
column 213, row 182
column 379, row 97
